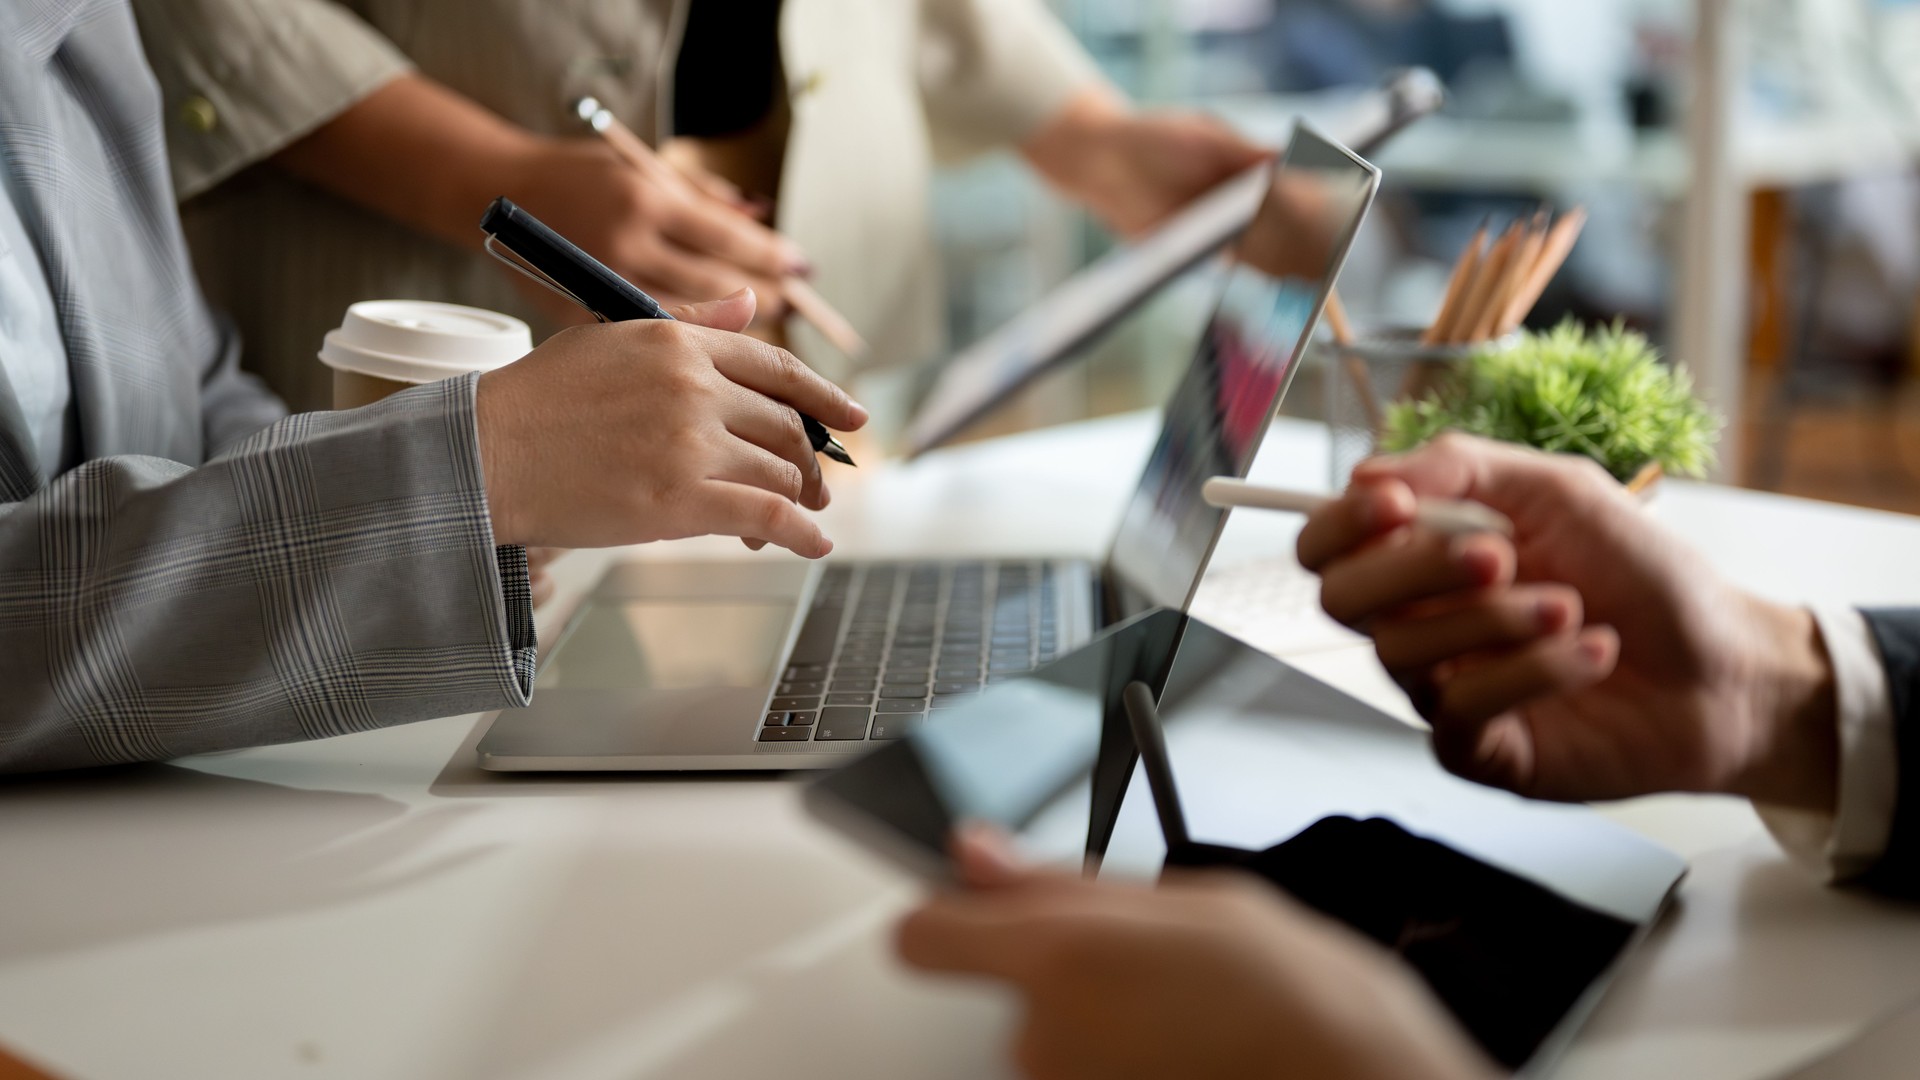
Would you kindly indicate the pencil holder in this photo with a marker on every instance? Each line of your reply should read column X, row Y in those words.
column 1370, row 374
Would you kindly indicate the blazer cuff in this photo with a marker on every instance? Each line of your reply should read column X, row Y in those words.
column 1846, row 844
column 516, row 598
column 241, row 79
column 440, row 615
column 1897, row 636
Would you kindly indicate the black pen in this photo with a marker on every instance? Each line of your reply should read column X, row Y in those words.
column 523, row 242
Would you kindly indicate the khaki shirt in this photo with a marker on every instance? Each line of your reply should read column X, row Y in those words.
column 878, row 91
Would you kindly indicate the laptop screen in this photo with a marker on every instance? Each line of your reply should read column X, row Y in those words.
column 1277, row 280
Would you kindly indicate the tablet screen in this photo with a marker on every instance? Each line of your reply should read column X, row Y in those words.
column 1278, row 280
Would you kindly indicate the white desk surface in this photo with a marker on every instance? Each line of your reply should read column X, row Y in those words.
column 374, row 907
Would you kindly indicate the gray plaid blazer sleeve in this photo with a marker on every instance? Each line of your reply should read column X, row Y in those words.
column 334, row 572
column 215, row 574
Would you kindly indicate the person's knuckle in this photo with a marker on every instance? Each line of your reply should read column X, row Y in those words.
column 793, row 431
column 792, row 481
column 680, row 337
column 773, row 515
column 684, row 383
column 788, row 370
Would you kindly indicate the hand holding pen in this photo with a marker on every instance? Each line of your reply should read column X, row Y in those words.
column 671, row 237
column 656, row 429
column 722, row 236
column 523, row 242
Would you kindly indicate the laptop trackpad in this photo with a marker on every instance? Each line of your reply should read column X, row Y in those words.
column 618, row 644
column 663, row 660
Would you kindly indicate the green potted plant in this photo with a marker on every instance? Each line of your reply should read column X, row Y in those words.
column 1602, row 393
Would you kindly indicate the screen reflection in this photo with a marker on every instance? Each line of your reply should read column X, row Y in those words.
column 1277, row 280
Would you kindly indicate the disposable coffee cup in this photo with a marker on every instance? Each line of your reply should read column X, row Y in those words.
column 385, row 346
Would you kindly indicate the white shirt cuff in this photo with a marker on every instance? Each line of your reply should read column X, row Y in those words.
column 1848, row 842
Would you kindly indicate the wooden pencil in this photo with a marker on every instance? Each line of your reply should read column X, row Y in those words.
column 1354, row 366
column 1493, row 270
column 1553, row 256
column 1526, row 252
column 1458, row 286
column 1337, row 320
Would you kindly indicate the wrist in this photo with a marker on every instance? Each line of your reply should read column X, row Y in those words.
column 509, row 162
column 1074, row 148
column 490, row 422
column 1793, row 712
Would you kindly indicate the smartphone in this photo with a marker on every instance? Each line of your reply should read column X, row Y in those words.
column 1009, row 755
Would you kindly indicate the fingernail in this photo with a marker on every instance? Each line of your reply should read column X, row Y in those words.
column 1552, row 614
column 1595, row 650
column 859, row 411
column 1476, row 558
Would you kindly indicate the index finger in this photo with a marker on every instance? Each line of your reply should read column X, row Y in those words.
column 722, row 232
column 1367, row 511
column 1505, row 477
column 780, row 375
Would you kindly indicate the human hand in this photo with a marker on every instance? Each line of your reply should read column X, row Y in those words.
column 1210, row 976
column 1594, row 655
column 683, row 238
column 1132, row 170
column 432, row 159
column 655, row 430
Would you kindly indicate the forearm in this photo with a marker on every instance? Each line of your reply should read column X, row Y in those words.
column 418, row 153
column 333, row 573
column 1074, row 149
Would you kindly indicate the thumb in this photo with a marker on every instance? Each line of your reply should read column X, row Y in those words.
column 1455, row 466
column 730, row 313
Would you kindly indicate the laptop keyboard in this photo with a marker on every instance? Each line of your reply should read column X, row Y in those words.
column 887, row 643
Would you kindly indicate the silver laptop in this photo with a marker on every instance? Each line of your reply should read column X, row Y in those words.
column 791, row 665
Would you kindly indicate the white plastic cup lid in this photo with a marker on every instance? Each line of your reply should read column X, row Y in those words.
column 420, row 341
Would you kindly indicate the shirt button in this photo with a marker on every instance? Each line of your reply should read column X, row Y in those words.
column 199, row 114
column 808, row 86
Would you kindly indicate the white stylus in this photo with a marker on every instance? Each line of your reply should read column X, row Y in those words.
column 1448, row 516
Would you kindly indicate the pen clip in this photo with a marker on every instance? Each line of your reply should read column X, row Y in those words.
column 516, row 261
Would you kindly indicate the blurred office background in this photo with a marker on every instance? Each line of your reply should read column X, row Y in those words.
column 1564, row 103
